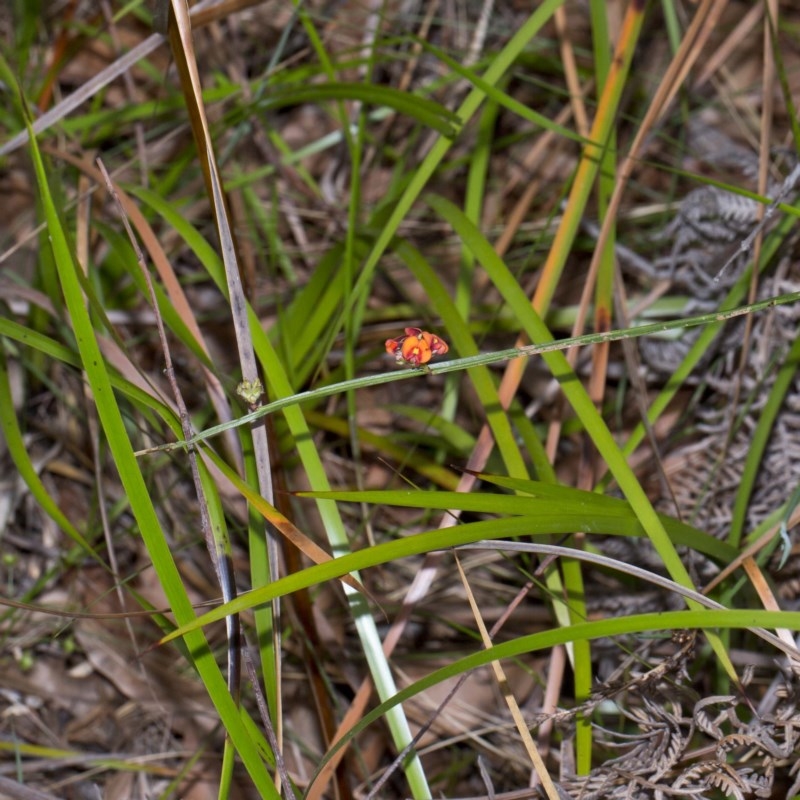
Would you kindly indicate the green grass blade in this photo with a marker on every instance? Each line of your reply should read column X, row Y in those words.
column 760, row 440
column 500, row 65
column 132, row 479
column 548, row 520
column 463, row 341
column 281, row 387
column 21, row 459
column 428, row 113
column 726, row 619
column 577, row 397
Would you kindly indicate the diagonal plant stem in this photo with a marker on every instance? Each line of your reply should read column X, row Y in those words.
column 217, row 549
column 494, row 357
column 180, row 37
column 141, row 503
column 511, row 701
column 513, row 374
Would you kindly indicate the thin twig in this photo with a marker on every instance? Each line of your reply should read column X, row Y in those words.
column 222, row 564
column 261, row 702
column 460, row 364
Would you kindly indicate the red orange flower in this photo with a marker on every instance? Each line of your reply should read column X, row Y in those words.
column 416, row 347
column 415, row 351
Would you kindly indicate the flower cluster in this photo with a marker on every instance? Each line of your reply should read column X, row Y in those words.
column 416, row 347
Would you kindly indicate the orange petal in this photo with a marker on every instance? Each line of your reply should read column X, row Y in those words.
column 391, row 346
column 416, row 351
column 438, row 346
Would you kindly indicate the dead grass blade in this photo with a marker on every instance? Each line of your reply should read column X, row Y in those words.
column 522, row 726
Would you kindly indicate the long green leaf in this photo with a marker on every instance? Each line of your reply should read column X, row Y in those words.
column 546, row 521
column 19, row 454
column 577, row 397
column 617, row 626
column 426, row 112
column 281, row 387
column 132, row 479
